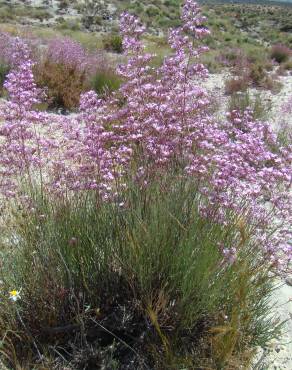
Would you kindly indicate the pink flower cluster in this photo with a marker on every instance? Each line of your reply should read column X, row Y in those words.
column 21, row 140
column 159, row 119
column 21, row 87
column 13, row 50
column 72, row 54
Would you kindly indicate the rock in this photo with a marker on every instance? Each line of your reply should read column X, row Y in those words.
column 288, row 281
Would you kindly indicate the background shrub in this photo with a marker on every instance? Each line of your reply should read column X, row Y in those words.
column 234, row 85
column 152, row 11
column 63, row 83
column 257, row 74
column 105, row 81
column 113, row 42
column 285, row 68
column 280, row 53
column 72, row 25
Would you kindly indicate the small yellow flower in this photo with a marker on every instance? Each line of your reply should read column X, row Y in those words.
column 14, row 295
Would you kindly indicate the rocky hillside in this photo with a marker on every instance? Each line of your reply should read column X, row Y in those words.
column 269, row 23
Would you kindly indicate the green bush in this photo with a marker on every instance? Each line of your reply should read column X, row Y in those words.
column 40, row 14
column 72, row 25
column 64, row 4
column 172, row 3
column 143, row 282
column 105, row 81
column 6, row 13
column 113, row 42
column 257, row 73
column 152, row 11
column 4, row 70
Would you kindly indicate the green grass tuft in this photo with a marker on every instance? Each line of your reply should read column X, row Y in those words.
column 142, row 283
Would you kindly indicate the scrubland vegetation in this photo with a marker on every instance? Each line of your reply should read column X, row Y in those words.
column 139, row 230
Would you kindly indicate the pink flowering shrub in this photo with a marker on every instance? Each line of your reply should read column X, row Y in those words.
column 144, row 206
column 66, row 69
column 22, row 142
column 66, row 51
column 164, row 121
column 21, row 87
column 63, row 84
column 13, row 50
column 159, row 119
column 71, row 53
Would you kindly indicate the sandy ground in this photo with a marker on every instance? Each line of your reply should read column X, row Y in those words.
column 281, row 350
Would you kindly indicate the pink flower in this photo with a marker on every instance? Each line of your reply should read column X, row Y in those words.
column 159, row 118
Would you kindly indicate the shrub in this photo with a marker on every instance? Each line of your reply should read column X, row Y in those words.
column 6, row 14
column 251, row 74
column 285, row 67
column 231, row 56
column 257, row 74
column 271, row 83
column 63, row 84
column 113, row 42
column 72, row 25
column 68, row 52
column 105, row 81
column 41, row 14
column 152, row 11
column 65, row 70
column 169, row 3
column 163, row 22
column 148, row 280
column 259, row 77
column 234, row 85
column 64, row 4
column 280, row 53
column 140, row 218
